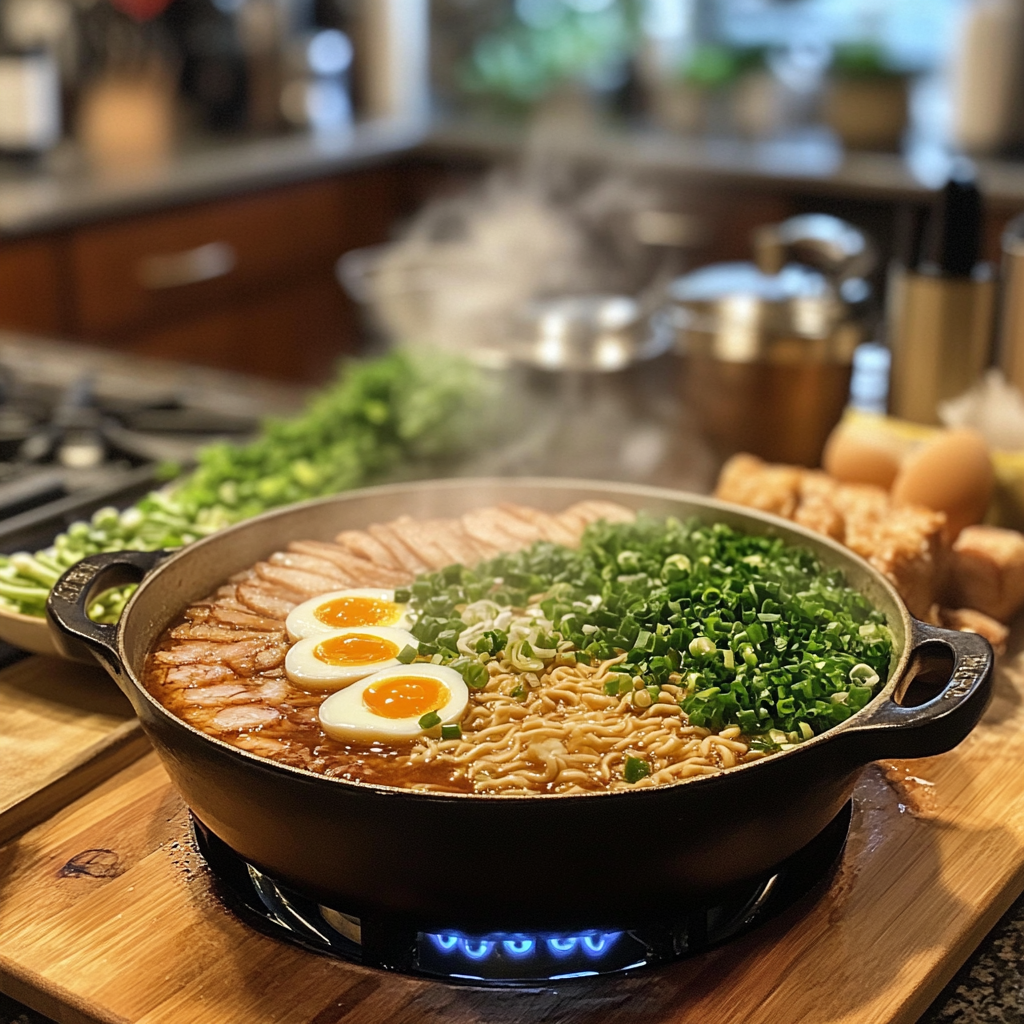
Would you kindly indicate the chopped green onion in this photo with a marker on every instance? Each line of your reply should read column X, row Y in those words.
column 407, row 655
column 864, row 675
column 635, row 769
column 700, row 646
column 429, row 720
column 475, row 675
column 642, row 698
column 451, row 732
column 665, row 598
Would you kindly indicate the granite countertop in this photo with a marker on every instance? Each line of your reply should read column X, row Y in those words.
column 63, row 191
column 989, row 988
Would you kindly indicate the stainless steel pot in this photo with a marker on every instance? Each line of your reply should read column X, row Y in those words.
column 498, row 863
column 768, row 346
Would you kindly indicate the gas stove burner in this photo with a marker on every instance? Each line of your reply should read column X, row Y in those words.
column 518, row 958
column 66, row 451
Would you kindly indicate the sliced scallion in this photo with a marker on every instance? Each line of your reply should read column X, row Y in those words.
column 635, row 769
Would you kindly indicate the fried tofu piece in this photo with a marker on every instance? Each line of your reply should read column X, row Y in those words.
column 746, row 480
column 861, row 503
column 986, row 571
column 905, row 546
column 967, row 620
column 904, row 543
column 819, row 514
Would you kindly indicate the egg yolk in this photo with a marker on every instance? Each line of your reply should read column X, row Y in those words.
column 357, row 611
column 406, row 697
column 354, row 649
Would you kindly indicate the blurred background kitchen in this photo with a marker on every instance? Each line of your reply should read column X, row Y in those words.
column 674, row 229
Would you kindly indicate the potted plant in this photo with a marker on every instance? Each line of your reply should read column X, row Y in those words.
column 720, row 88
column 573, row 60
column 866, row 98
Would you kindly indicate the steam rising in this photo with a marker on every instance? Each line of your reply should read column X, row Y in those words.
column 467, row 266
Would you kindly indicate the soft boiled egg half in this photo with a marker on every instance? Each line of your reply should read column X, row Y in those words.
column 329, row 661
column 341, row 609
column 389, row 705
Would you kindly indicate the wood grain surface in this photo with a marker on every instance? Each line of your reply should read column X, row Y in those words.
column 107, row 914
column 63, row 728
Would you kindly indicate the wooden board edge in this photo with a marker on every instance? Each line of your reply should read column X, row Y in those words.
column 49, row 999
column 945, row 968
column 75, row 778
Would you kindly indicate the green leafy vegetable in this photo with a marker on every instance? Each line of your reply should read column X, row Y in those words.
column 394, row 416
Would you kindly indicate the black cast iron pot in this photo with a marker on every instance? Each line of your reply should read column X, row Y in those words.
column 487, row 863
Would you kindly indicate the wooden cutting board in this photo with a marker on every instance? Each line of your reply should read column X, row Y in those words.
column 63, row 728
column 107, row 914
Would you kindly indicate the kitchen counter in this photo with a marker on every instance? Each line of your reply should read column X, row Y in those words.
column 62, row 191
column 811, row 162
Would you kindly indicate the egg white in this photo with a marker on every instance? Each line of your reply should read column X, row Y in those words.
column 344, row 716
column 305, row 669
column 302, row 620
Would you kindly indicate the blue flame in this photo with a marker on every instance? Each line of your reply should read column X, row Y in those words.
column 476, row 949
column 563, row 945
column 520, row 947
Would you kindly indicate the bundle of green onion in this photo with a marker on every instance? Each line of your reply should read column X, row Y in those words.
column 398, row 416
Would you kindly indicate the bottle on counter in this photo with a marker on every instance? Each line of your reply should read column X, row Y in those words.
column 1010, row 349
column 215, row 66
column 393, row 42
column 986, row 78
column 30, row 106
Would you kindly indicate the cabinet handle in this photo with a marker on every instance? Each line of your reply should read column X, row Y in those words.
column 192, row 266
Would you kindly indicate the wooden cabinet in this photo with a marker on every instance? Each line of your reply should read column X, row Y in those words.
column 171, row 266
column 246, row 283
column 31, row 296
column 293, row 333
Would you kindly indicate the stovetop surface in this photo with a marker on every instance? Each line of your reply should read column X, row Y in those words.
column 81, row 427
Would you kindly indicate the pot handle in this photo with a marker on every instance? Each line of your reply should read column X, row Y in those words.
column 939, row 724
column 77, row 636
